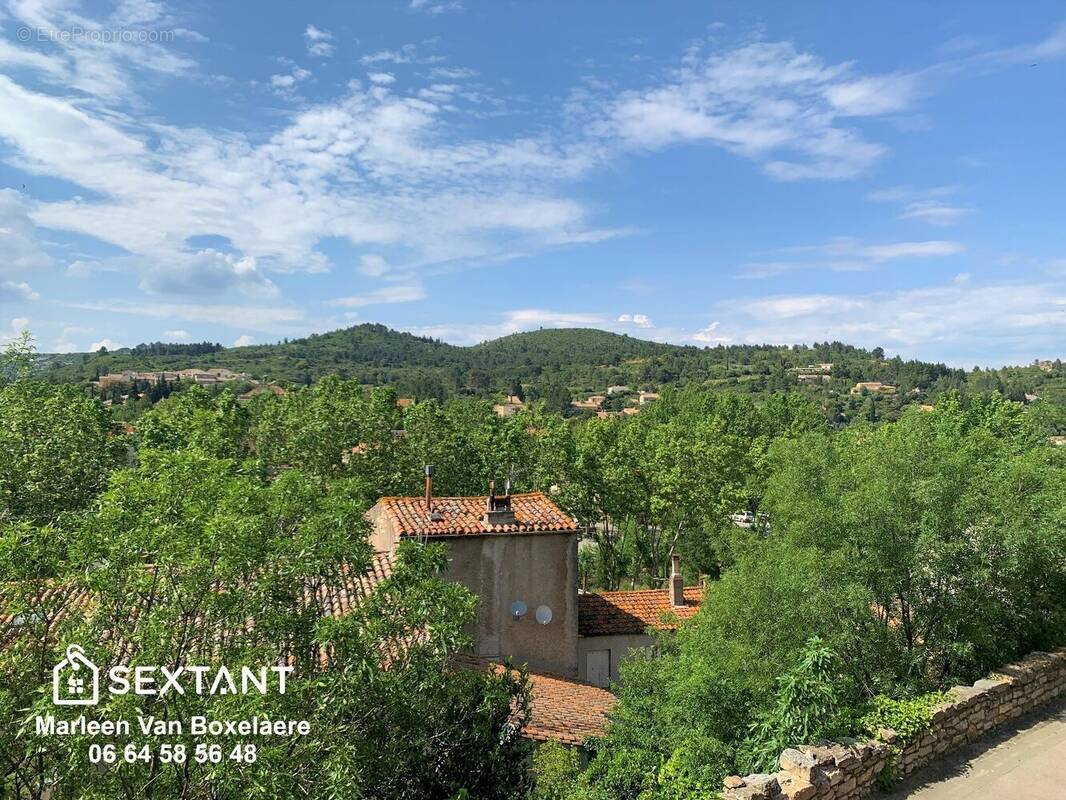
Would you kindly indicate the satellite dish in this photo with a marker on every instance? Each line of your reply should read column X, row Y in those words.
column 519, row 609
column 544, row 615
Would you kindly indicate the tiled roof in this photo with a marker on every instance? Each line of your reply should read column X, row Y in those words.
column 462, row 516
column 562, row 709
column 616, row 613
column 566, row 710
column 338, row 596
column 332, row 597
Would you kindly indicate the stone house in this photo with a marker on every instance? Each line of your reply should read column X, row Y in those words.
column 611, row 625
column 518, row 554
column 874, row 387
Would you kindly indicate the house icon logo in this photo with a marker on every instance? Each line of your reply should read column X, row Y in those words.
column 75, row 680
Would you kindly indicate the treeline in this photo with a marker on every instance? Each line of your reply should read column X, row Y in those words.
column 175, row 349
column 558, row 366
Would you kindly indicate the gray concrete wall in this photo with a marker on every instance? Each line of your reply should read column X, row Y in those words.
column 619, row 646
column 538, row 569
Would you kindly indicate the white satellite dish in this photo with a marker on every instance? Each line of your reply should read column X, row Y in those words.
column 519, row 609
column 544, row 615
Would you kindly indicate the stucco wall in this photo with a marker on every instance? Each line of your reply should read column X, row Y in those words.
column 620, row 647
column 847, row 770
column 538, row 569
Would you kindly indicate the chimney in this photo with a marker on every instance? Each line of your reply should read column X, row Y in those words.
column 677, row 583
column 498, row 509
column 431, row 514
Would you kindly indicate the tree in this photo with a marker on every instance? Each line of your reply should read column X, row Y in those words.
column 191, row 559
column 903, row 558
column 56, row 450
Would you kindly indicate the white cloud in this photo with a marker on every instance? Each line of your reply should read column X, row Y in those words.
column 873, row 96
column 1047, row 49
column 177, row 334
column 453, row 73
column 11, row 292
column 318, row 42
column 207, row 272
column 283, row 85
column 387, row 294
column 16, row 327
column 65, row 343
column 766, row 101
column 19, row 249
column 935, row 213
column 406, row 54
column 97, row 65
column 711, row 335
column 639, row 320
column 382, row 78
column 925, row 205
column 105, row 342
column 901, row 250
column 962, row 321
column 847, row 254
column 436, row 6
column 244, row 341
column 373, row 265
column 373, row 167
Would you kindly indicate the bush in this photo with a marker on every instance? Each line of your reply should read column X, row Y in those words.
column 810, row 703
column 555, row 770
column 909, row 718
column 694, row 771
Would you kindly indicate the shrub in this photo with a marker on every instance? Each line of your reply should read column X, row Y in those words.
column 909, row 718
column 555, row 769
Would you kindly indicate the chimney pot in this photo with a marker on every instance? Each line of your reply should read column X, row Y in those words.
column 429, row 488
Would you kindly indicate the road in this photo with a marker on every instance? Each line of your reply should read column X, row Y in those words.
column 1025, row 760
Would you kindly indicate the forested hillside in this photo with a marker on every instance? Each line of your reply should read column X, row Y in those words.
column 560, row 365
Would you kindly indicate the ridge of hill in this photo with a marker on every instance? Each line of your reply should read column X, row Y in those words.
column 369, row 352
column 559, row 364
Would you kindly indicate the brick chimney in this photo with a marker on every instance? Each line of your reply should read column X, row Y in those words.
column 677, row 583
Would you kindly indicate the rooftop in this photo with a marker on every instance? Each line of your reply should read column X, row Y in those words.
column 464, row 516
column 52, row 601
column 565, row 710
column 620, row 613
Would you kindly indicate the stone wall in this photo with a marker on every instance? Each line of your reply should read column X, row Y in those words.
column 847, row 770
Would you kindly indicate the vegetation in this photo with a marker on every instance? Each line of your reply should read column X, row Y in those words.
column 889, row 558
column 557, row 366
column 921, row 553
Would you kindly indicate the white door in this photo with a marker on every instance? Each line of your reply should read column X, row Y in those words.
column 598, row 667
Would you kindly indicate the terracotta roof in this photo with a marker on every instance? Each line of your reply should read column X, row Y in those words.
column 462, row 516
column 333, row 596
column 566, row 710
column 615, row 613
column 346, row 590
column 562, row 709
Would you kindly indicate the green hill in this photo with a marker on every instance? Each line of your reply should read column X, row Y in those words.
column 375, row 354
column 558, row 364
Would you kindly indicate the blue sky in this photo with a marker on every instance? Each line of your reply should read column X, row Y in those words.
column 883, row 174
